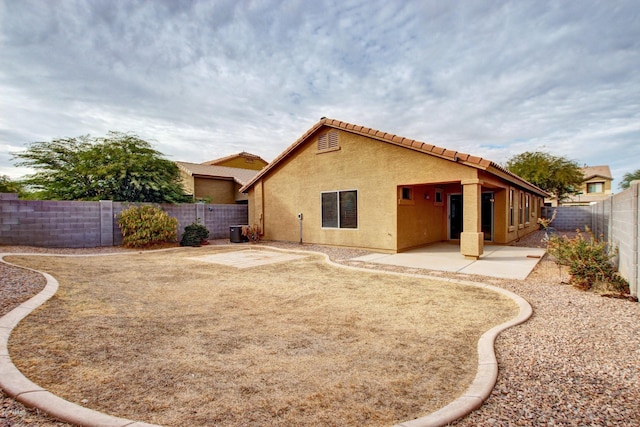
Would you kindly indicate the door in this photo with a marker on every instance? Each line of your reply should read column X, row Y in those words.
column 486, row 220
column 455, row 216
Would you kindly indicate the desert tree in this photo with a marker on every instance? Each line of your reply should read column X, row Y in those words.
column 118, row 167
column 555, row 174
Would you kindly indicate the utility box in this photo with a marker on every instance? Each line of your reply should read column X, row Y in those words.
column 235, row 234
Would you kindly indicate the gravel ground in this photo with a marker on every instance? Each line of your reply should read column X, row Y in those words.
column 576, row 362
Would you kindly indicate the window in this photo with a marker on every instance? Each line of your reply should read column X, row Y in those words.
column 527, row 207
column 328, row 141
column 405, row 196
column 439, row 198
column 340, row 209
column 595, row 187
column 407, row 193
column 521, row 209
column 511, row 210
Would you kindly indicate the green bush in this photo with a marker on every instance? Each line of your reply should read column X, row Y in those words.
column 590, row 261
column 194, row 234
column 144, row 226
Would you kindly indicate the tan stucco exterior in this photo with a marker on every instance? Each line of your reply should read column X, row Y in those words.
column 215, row 184
column 397, row 204
column 596, row 187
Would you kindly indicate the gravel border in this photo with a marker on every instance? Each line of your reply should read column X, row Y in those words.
column 574, row 363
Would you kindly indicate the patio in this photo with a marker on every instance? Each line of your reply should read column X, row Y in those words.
column 505, row 262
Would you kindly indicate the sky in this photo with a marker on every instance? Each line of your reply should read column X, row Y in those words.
column 206, row 79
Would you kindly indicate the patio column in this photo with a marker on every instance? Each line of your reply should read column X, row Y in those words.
column 471, row 238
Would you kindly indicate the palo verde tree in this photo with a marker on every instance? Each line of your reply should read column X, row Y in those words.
column 118, row 167
column 627, row 178
column 556, row 175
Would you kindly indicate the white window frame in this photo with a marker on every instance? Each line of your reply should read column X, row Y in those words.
column 598, row 184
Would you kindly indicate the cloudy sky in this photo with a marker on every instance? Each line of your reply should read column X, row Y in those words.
column 205, row 79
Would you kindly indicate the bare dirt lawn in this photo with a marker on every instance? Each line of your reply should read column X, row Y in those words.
column 162, row 338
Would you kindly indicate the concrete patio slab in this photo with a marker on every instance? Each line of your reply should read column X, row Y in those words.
column 506, row 262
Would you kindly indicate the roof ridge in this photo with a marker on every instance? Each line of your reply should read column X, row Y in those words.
column 231, row 156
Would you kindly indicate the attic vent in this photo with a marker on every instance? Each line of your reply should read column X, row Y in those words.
column 328, row 141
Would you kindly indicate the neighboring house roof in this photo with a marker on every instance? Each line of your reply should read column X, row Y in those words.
column 411, row 144
column 242, row 155
column 596, row 171
column 198, row 170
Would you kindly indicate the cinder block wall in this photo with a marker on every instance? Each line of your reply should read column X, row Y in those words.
column 218, row 219
column 601, row 217
column 51, row 223
column 617, row 220
column 569, row 218
column 623, row 233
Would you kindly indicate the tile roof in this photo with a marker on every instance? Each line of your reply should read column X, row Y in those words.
column 241, row 176
column 593, row 171
column 243, row 155
column 412, row 144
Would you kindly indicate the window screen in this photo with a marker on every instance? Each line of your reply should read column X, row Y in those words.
column 330, row 210
column 340, row 209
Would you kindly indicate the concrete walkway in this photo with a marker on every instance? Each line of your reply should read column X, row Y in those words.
column 505, row 262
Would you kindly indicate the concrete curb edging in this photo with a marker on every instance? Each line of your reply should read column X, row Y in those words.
column 17, row 386
column 30, row 394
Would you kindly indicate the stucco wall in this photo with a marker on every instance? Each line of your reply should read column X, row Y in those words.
column 374, row 169
column 218, row 191
column 422, row 220
column 187, row 182
column 243, row 163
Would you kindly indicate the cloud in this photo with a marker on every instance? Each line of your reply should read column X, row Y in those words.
column 205, row 79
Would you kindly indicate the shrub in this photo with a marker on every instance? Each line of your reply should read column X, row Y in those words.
column 144, row 226
column 194, row 234
column 590, row 261
column 252, row 232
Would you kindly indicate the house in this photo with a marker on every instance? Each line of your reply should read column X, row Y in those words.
column 242, row 160
column 596, row 187
column 347, row 185
column 215, row 184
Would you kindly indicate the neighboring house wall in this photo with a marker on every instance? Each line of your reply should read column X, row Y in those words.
column 214, row 183
column 217, row 191
column 596, row 187
column 243, row 163
column 188, row 182
column 69, row 224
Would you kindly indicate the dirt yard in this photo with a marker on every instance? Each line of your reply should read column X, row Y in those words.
column 162, row 338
